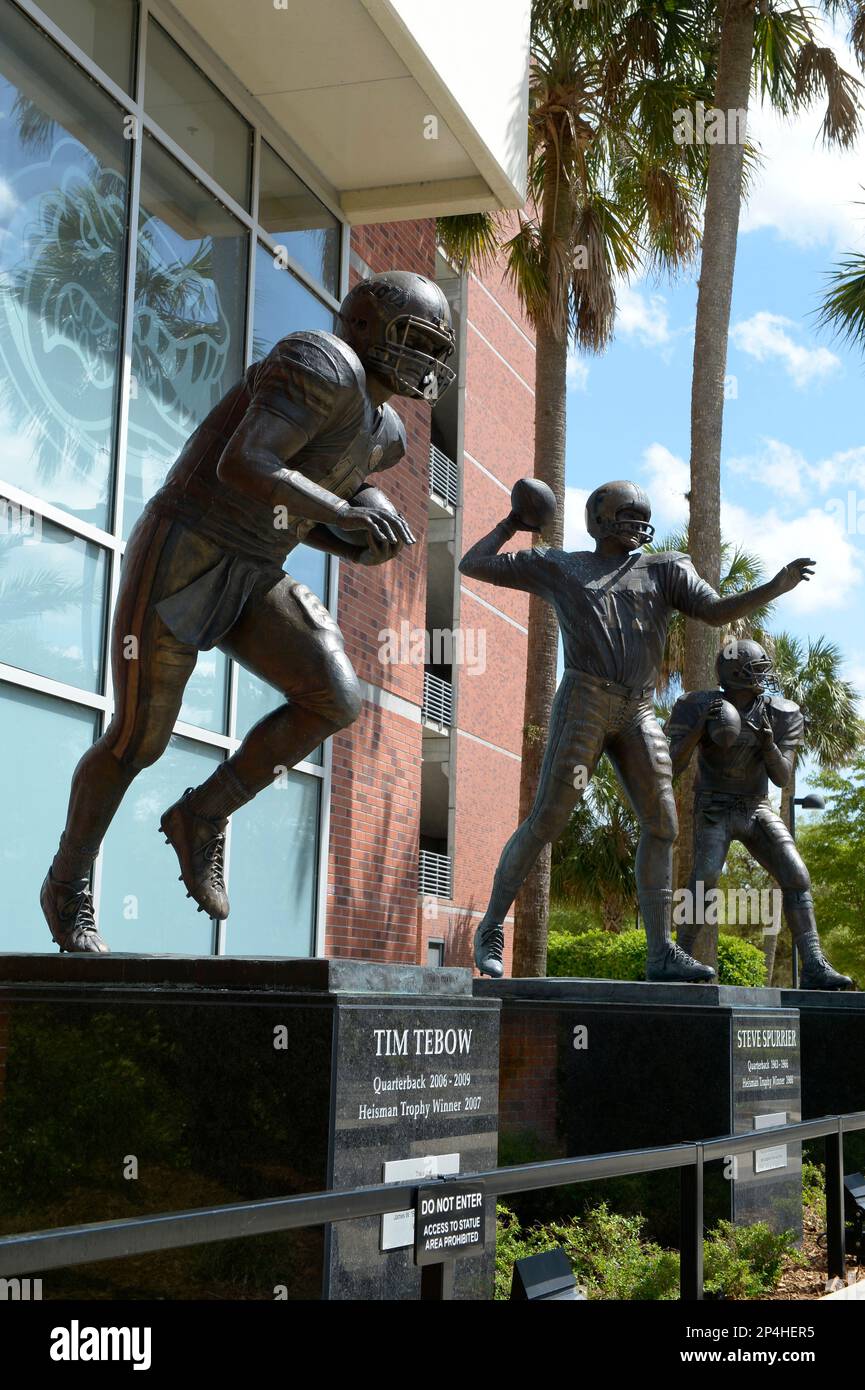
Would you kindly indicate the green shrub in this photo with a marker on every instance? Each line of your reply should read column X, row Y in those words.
column 739, row 962
column 611, row 1260
column 607, row 1254
column 744, row 1261
column 814, row 1187
column 564, row 917
column 601, row 955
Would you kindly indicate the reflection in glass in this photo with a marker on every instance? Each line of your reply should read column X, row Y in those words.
column 102, row 29
column 52, row 600
column 295, row 218
column 255, row 698
column 272, row 872
column 190, row 294
column 43, row 739
column 195, row 113
column 63, row 171
column 282, row 305
column 204, row 699
column 142, row 907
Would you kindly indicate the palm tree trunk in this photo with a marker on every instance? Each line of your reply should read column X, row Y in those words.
column 718, row 259
column 531, row 917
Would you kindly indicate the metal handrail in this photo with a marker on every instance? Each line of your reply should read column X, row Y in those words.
column 30, row 1253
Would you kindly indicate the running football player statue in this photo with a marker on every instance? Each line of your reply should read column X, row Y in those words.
column 745, row 737
column 614, row 605
column 283, row 458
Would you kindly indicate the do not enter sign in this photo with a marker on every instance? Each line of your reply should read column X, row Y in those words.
column 449, row 1221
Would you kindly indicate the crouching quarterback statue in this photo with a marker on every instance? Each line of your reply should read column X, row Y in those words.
column 746, row 735
column 283, row 458
column 614, row 605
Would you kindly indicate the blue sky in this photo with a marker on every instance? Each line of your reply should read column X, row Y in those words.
column 794, row 431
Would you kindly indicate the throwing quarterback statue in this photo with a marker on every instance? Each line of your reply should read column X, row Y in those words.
column 283, row 458
column 746, row 736
column 614, row 605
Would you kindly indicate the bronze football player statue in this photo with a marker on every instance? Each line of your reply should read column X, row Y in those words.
column 281, row 459
column 746, row 736
column 614, row 605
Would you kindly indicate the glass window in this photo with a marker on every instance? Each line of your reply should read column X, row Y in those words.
column 190, row 307
column 282, row 305
column 63, row 199
column 103, row 29
column 142, row 906
column 195, row 113
column 255, row 698
column 296, row 219
column 52, row 600
column 273, row 869
column 43, row 739
column 204, row 699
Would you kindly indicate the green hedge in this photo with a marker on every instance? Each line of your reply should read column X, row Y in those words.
column 611, row 1258
column 600, row 955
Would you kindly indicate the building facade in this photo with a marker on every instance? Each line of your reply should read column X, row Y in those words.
column 167, row 212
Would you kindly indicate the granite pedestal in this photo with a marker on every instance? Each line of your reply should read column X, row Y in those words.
column 592, row 1066
column 143, row 1084
column 833, row 1049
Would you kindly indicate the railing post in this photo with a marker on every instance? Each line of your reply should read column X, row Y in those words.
column 437, row 1281
column 691, row 1230
column 835, row 1224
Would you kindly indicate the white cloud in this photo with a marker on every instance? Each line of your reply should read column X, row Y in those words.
column 577, row 372
column 576, row 535
column 8, row 200
column 778, row 540
column 668, row 480
column 820, row 533
column 765, row 337
column 805, row 190
column 792, row 477
column 642, row 316
column 779, row 466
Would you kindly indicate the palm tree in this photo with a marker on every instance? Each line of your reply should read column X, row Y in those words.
column 843, row 306
column 607, row 180
column 833, row 728
column 776, row 52
column 593, row 862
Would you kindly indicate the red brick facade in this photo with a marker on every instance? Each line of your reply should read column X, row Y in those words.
column 373, row 907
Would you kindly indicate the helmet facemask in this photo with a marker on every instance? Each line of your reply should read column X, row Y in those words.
column 412, row 358
column 630, row 526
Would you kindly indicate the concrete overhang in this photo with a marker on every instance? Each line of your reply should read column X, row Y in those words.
column 404, row 108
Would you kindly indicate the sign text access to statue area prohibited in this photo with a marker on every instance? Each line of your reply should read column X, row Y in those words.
column 449, row 1221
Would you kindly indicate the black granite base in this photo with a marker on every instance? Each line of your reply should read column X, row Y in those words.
column 143, row 1084
column 833, row 1049
column 593, row 1066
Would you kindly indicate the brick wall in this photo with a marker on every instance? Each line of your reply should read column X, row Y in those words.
column 498, row 449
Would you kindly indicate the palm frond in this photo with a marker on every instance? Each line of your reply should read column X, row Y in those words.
column 843, row 305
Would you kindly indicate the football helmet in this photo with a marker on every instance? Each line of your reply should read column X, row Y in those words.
column 603, row 510
column 743, row 665
column 399, row 323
